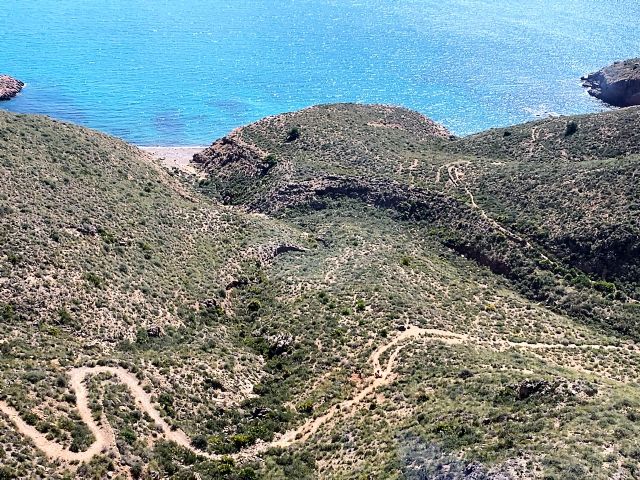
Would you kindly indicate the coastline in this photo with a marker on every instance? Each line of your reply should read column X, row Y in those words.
column 174, row 157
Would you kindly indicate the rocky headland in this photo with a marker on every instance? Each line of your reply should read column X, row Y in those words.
column 617, row 84
column 9, row 87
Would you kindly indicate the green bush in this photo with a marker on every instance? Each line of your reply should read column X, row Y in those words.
column 200, row 442
column 293, row 134
column 271, row 160
column 93, row 279
column 604, row 286
column 241, row 440
column 65, row 318
column 7, row 473
column 7, row 312
column 572, row 127
column 128, row 435
column 305, row 407
column 165, row 400
column 254, row 305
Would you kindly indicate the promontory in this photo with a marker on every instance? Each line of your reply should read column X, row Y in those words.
column 9, row 87
column 617, row 84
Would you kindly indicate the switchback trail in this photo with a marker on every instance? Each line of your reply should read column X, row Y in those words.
column 380, row 377
column 105, row 438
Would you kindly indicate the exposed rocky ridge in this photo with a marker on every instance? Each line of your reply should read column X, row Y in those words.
column 415, row 204
column 560, row 388
column 617, row 84
column 9, row 87
column 228, row 150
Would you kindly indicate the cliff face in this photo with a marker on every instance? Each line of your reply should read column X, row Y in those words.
column 617, row 84
column 9, row 87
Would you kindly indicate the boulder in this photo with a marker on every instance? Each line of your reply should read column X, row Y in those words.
column 560, row 388
column 530, row 387
column 617, row 84
column 87, row 229
column 9, row 87
column 155, row 331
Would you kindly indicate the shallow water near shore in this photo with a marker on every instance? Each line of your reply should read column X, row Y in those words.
column 156, row 72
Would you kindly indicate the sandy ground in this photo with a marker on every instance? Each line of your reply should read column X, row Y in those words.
column 175, row 157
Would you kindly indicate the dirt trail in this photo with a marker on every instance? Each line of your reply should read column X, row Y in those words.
column 105, row 438
column 564, row 346
column 455, row 178
column 534, row 138
column 103, row 433
column 380, row 378
column 52, row 449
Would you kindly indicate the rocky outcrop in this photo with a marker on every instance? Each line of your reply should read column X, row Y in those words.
column 617, row 84
column 231, row 150
column 9, row 87
column 559, row 388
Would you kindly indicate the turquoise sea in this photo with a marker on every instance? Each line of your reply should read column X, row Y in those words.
column 170, row 72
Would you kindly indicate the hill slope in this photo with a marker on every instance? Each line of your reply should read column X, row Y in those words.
column 550, row 205
column 376, row 299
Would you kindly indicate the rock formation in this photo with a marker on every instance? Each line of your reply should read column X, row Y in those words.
column 9, row 87
column 617, row 84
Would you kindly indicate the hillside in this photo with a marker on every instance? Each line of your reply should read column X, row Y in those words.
column 572, row 188
column 349, row 292
column 550, row 205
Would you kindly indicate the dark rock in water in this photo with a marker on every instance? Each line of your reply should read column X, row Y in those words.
column 617, row 84
column 9, row 87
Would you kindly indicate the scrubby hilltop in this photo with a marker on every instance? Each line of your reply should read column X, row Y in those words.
column 346, row 292
column 550, row 205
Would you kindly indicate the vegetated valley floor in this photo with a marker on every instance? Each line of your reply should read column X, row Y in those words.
column 347, row 291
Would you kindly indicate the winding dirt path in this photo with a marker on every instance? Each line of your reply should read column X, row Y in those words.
column 381, row 377
column 455, row 178
column 103, row 433
column 52, row 449
column 105, row 438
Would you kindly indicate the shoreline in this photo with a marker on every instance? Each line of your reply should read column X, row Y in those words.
column 174, row 157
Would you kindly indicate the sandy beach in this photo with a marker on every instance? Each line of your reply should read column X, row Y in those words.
column 175, row 157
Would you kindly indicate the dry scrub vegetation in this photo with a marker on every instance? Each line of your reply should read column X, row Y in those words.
column 248, row 304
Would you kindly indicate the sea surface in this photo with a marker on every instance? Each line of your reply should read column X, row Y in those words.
column 171, row 72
